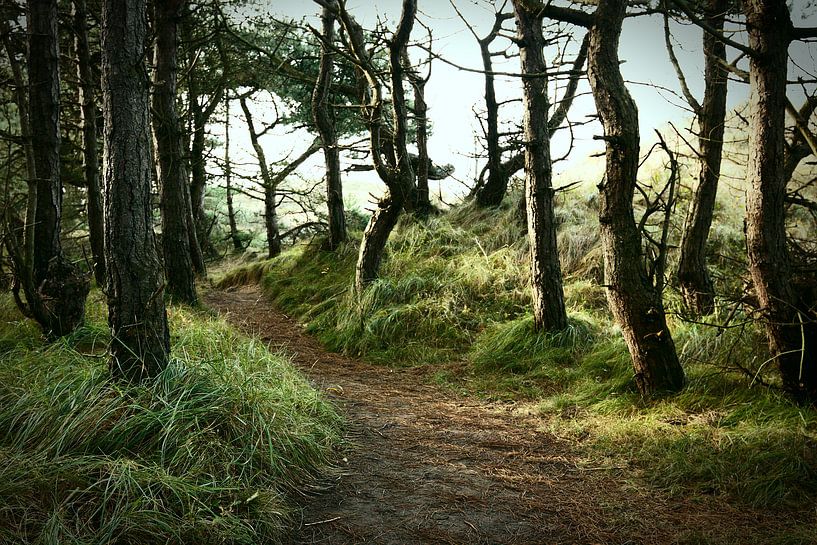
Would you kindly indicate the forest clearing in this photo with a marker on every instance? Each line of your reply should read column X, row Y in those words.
column 465, row 272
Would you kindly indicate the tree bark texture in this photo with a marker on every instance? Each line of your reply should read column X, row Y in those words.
column 324, row 121
column 169, row 137
column 90, row 154
column 382, row 223
column 140, row 341
column 200, row 114
column 499, row 172
column 634, row 301
column 789, row 322
column 402, row 173
column 57, row 290
column 546, row 275
column 693, row 278
column 44, row 112
column 198, row 183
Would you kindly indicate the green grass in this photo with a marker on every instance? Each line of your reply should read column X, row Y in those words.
column 453, row 295
column 216, row 450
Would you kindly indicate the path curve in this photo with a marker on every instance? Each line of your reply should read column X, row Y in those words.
column 428, row 466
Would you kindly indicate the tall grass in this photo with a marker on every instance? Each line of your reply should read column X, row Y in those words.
column 453, row 294
column 216, row 450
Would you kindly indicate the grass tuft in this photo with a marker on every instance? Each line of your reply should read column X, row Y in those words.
column 214, row 450
column 453, row 294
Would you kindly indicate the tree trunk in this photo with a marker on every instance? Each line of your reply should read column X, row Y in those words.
column 790, row 324
column 169, row 138
column 228, row 171
column 634, row 301
column 270, row 189
column 44, row 111
column 198, row 173
column 493, row 190
column 57, row 290
column 377, row 233
column 420, row 110
column 198, row 185
column 199, row 236
column 390, row 156
column 546, row 274
column 322, row 114
column 90, row 154
column 136, row 310
column 693, row 278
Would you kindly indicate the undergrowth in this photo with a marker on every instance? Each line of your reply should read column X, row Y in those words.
column 216, row 450
column 453, row 295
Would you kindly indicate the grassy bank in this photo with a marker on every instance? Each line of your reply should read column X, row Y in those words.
column 453, row 296
column 216, row 450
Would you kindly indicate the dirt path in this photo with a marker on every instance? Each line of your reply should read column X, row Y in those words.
column 431, row 467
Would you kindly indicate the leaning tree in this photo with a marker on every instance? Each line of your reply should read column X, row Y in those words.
column 390, row 156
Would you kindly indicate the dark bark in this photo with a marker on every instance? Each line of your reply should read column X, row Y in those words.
column 376, row 235
column 789, row 322
column 324, row 121
column 693, row 278
column 44, row 111
column 270, row 189
column 493, row 189
column 140, row 341
column 403, row 172
column 546, row 275
column 420, row 111
column 198, row 174
column 90, row 154
column 199, row 114
column 169, row 137
column 198, row 185
column 56, row 291
column 499, row 172
column 634, row 301
column 201, row 108
column 392, row 161
column 228, row 172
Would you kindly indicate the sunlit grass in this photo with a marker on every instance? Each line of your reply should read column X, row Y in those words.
column 453, row 294
column 215, row 450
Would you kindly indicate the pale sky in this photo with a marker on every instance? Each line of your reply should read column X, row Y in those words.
column 452, row 94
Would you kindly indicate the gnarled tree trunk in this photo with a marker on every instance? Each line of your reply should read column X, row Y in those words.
column 546, row 274
column 390, row 156
column 169, row 146
column 493, row 190
column 420, row 111
column 140, row 341
column 634, row 301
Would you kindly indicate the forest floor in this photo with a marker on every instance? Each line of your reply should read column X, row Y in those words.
column 427, row 465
